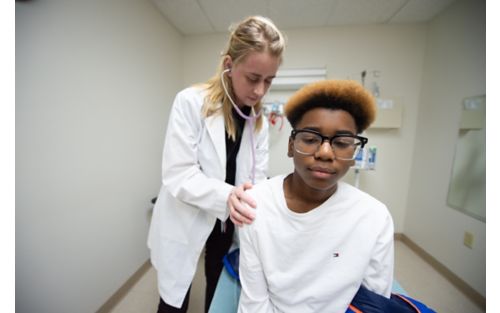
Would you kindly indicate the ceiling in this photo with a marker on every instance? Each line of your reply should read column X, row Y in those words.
column 191, row 17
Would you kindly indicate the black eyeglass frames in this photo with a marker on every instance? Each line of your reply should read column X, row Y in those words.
column 345, row 146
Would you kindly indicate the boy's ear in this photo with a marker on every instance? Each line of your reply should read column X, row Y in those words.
column 290, row 147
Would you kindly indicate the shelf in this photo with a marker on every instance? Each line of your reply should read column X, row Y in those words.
column 294, row 79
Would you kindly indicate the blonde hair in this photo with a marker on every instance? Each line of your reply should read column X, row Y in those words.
column 254, row 34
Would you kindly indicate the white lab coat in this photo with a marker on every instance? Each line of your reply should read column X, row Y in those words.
column 193, row 192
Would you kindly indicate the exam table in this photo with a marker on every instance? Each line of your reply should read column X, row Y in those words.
column 227, row 293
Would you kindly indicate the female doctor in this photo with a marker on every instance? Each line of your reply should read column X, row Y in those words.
column 216, row 139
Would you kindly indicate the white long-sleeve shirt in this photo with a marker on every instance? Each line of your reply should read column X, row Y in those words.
column 314, row 261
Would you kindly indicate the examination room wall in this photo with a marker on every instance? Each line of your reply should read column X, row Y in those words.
column 455, row 68
column 397, row 52
column 429, row 68
column 94, row 83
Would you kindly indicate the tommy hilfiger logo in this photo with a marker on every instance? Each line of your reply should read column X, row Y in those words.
column 335, row 254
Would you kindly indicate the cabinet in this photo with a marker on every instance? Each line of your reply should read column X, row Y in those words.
column 389, row 113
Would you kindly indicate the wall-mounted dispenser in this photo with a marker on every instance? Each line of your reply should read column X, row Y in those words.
column 365, row 160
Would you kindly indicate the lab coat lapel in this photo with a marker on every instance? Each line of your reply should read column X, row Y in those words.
column 216, row 130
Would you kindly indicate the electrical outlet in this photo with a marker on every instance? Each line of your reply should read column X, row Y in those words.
column 468, row 239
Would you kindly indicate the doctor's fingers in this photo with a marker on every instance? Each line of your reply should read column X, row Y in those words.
column 242, row 196
column 239, row 211
column 238, row 218
column 242, row 204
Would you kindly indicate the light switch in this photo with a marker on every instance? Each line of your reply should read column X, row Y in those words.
column 468, row 239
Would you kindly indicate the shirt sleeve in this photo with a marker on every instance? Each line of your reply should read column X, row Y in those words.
column 380, row 272
column 254, row 297
column 181, row 172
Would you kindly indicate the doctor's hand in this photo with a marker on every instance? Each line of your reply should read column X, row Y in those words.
column 241, row 205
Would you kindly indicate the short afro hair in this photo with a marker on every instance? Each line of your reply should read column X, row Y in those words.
column 347, row 95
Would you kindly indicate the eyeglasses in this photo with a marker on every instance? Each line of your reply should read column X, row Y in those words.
column 345, row 146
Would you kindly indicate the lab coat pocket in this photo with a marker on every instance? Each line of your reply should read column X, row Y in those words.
column 181, row 222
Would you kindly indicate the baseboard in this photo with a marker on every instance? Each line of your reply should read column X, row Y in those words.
column 124, row 289
column 398, row 236
column 465, row 288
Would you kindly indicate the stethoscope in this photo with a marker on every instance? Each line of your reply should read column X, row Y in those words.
column 251, row 119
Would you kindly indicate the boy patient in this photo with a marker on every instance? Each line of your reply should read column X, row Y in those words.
column 315, row 239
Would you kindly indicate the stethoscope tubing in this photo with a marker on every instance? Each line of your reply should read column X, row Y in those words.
column 251, row 119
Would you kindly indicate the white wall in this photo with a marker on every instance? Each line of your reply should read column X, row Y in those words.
column 430, row 68
column 455, row 68
column 396, row 51
column 94, row 83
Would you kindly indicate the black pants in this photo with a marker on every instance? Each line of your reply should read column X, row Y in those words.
column 164, row 307
column 217, row 245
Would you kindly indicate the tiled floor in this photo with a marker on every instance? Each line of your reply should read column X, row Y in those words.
column 417, row 277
